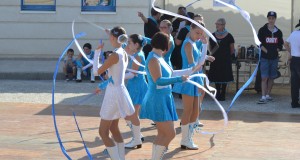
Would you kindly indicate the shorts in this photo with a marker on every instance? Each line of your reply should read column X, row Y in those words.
column 268, row 68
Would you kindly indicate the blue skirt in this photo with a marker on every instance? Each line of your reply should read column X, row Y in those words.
column 187, row 88
column 137, row 88
column 159, row 106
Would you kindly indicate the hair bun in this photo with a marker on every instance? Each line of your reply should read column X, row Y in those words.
column 123, row 38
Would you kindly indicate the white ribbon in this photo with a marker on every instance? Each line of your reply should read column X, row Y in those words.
column 136, row 61
column 213, row 96
column 183, row 17
column 246, row 16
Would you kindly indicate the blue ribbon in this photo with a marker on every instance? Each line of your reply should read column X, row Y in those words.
column 105, row 83
column 85, row 147
column 53, row 92
column 245, row 85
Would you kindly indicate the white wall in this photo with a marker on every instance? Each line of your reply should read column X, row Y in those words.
column 47, row 34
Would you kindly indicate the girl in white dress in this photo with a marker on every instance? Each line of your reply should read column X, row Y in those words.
column 116, row 103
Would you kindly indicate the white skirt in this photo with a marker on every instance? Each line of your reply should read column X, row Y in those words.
column 116, row 103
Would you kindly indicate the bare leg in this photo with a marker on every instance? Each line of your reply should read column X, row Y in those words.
column 188, row 105
column 104, row 133
column 114, row 129
column 269, row 86
column 195, row 111
column 165, row 133
column 264, row 86
column 134, row 118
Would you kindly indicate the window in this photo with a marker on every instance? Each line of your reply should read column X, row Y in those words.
column 38, row 5
column 98, row 5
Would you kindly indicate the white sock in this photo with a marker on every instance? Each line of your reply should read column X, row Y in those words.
column 267, row 96
column 263, row 97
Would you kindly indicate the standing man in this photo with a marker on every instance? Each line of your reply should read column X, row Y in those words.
column 271, row 43
column 151, row 26
column 292, row 44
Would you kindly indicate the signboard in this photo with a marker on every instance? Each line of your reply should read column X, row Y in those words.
column 217, row 4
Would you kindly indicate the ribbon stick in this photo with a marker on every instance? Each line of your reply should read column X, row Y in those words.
column 246, row 16
column 190, row 4
column 53, row 98
column 91, row 23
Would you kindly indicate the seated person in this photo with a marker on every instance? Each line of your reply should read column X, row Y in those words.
column 70, row 65
column 83, row 65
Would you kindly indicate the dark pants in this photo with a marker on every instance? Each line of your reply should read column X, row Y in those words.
column 221, row 91
column 295, row 79
column 257, row 86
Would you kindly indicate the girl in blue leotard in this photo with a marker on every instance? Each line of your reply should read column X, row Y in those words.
column 190, row 94
column 136, row 86
column 158, row 104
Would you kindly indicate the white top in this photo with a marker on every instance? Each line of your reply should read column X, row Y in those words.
column 117, row 102
column 294, row 40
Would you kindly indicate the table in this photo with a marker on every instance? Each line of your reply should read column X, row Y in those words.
column 238, row 66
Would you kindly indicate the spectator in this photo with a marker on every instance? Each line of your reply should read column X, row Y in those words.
column 220, row 71
column 176, row 22
column 70, row 65
column 271, row 43
column 176, row 58
column 199, row 17
column 83, row 63
column 293, row 47
column 150, row 27
column 166, row 27
column 166, row 17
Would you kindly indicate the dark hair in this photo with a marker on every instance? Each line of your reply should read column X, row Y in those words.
column 195, row 26
column 160, row 41
column 154, row 12
column 87, row 45
column 70, row 50
column 167, row 17
column 117, row 31
column 191, row 16
column 136, row 38
column 180, row 8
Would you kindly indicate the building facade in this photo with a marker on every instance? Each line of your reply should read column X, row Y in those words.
column 28, row 32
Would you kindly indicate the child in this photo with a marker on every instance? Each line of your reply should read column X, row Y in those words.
column 69, row 65
column 116, row 103
column 81, row 62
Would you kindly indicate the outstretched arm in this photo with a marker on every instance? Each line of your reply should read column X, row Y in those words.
column 155, row 72
column 141, row 15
